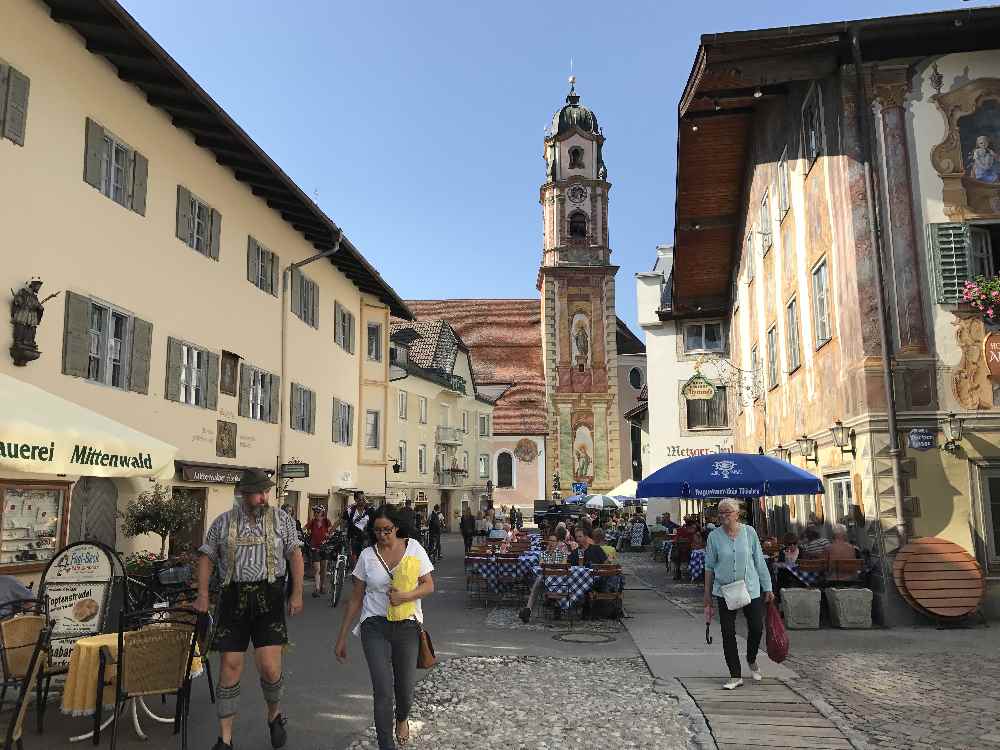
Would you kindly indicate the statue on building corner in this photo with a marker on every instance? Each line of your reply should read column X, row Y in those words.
column 26, row 312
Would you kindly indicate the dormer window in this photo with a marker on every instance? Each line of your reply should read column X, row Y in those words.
column 578, row 225
column 576, row 158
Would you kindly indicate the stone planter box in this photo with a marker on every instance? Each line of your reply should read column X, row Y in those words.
column 800, row 608
column 850, row 608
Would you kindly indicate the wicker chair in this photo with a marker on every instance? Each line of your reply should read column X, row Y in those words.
column 33, row 670
column 155, row 652
column 18, row 635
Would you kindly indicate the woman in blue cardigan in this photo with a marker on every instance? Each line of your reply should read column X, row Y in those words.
column 733, row 554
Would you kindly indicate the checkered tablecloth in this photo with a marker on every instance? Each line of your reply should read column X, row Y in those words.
column 579, row 581
column 808, row 577
column 492, row 569
column 696, row 565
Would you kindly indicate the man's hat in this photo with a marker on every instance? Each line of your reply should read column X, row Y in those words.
column 254, row 480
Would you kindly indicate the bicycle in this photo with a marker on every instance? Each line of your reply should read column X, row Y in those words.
column 335, row 550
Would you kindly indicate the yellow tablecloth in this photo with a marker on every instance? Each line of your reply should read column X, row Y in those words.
column 80, row 690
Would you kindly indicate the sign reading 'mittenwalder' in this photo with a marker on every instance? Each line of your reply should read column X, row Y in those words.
column 82, row 454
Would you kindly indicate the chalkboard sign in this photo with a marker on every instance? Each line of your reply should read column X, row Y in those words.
column 921, row 438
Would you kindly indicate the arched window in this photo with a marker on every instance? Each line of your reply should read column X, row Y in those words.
column 576, row 158
column 505, row 470
column 578, row 225
column 635, row 378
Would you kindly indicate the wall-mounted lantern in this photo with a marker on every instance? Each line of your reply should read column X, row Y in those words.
column 844, row 437
column 953, row 427
column 808, row 448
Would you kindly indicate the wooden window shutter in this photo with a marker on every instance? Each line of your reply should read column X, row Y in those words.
column 243, row 409
column 142, row 346
column 76, row 335
column 312, row 413
column 337, row 327
column 4, row 76
column 949, row 246
column 216, row 235
column 350, row 424
column 184, row 217
column 252, row 270
column 336, row 420
column 296, row 290
column 293, row 412
column 350, row 332
column 275, row 262
column 172, row 390
column 140, row 178
column 212, row 381
column 94, row 154
column 15, row 115
column 275, row 399
column 315, row 305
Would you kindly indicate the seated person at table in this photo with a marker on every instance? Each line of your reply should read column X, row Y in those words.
column 789, row 549
column 609, row 551
column 587, row 553
column 840, row 549
column 671, row 526
column 553, row 554
column 562, row 540
column 814, row 546
column 568, row 541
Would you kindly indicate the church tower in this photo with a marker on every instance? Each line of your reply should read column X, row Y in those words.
column 577, row 285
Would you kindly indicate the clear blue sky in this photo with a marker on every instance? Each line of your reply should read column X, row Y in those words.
column 420, row 123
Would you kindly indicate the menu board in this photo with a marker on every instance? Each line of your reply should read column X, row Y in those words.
column 30, row 524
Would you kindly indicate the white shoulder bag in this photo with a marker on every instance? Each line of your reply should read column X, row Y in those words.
column 736, row 594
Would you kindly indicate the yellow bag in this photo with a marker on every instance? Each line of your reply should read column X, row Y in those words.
column 404, row 579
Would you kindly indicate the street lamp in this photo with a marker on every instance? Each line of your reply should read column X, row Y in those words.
column 842, row 436
column 953, row 431
column 808, row 448
column 395, row 470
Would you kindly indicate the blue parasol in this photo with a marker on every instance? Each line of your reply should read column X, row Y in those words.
column 729, row 475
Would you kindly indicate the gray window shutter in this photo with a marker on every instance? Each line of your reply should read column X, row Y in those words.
column 315, row 305
column 243, row 408
column 296, row 290
column 350, row 424
column 275, row 399
column 252, row 260
column 949, row 245
column 129, row 183
column 312, row 413
column 212, row 381
column 350, row 332
column 184, row 217
column 140, row 177
column 293, row 411
column 336, row 420
column 216, row 235
column 275, row 262
column 172, row 390
column 142, row 345
column 94, row 154
column 4, row 75
column 76, row 335
column 15, row 116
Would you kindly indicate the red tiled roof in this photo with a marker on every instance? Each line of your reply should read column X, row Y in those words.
column 504, row 337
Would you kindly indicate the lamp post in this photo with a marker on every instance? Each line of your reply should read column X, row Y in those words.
column 843, row 436
column 385, row 474
column 953, row 427
column 808, row 448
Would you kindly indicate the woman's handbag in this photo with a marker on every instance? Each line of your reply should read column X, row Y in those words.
column 777, row 636
column 426, row 657
column 736, row 594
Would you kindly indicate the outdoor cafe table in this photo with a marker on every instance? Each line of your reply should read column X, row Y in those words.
column 80, row 691
column 491, row 569
column 808, row 577
column 575, row 585
column 696, row 564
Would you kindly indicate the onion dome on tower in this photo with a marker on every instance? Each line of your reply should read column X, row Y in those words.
column 574, row 115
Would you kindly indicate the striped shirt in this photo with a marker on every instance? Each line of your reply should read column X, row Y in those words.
column 251, row 562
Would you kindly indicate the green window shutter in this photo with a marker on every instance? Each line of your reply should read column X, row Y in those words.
column 15, row 116
column 142, row 346
column 350, row 424
column 140, row 178
column 243, row 409
column 275, row 262
column 94, row 154
column 76, row 335
column 350, row 333
column 212, row 381
column 172, row 389
column 949, row 245
column 4, row 77
column 296, row 290
column 293, row 411
column 252, row 260
column 312, row 413
column 337, row 327
column 216, row 235
column 315, row 305
column 336, row 420
column 184, row 218
column 275, row 399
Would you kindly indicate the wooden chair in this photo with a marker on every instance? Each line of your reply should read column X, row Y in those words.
column 844, row 570
column 553, row 598
column 509, row 587
column 155, row 651
column 33, row 671
column 681, row 553
column 812, row 565
column 18, row 636
column 605, row 576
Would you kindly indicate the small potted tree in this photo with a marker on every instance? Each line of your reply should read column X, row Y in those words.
column 162, row 511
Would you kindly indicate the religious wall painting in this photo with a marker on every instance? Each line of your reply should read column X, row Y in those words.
column 968, row 159
column 580, row 341
column 583, row 447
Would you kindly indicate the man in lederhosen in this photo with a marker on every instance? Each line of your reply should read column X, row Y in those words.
column 255, row 546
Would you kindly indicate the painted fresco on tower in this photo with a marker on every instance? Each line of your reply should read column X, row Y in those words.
column 583, row 454
column 580, row 341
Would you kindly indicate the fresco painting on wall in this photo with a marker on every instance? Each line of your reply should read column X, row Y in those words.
column 580, row 341
column 979, row 134
column 583, row 454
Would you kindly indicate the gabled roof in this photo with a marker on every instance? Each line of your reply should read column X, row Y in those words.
column 109, row 31
column 626, row 341
column 504, row 337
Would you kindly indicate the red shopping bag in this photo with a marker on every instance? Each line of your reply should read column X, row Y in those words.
column 777, row 636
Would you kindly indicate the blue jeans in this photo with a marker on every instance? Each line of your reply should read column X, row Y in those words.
column 391, row 650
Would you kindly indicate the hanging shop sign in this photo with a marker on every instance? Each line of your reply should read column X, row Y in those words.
column 991, row 352
column 294, row 471
column 698, row 388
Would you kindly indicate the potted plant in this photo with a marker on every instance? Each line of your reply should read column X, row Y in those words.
column 162, row 511
column 984, row 295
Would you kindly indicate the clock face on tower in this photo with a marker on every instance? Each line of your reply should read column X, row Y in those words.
column 577, row 194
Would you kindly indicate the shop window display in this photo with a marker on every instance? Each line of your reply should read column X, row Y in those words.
column 32, row 521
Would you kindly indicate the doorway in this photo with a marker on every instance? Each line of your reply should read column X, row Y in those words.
column 93, row 511
column 190, row 539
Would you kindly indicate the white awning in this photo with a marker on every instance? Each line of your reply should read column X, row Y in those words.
column 41, row 433
column 625, row 489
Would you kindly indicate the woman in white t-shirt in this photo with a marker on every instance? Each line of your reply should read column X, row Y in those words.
column 390, row 639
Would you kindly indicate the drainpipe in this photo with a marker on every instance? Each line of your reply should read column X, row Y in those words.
column 875, row 231
column 286, row 277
